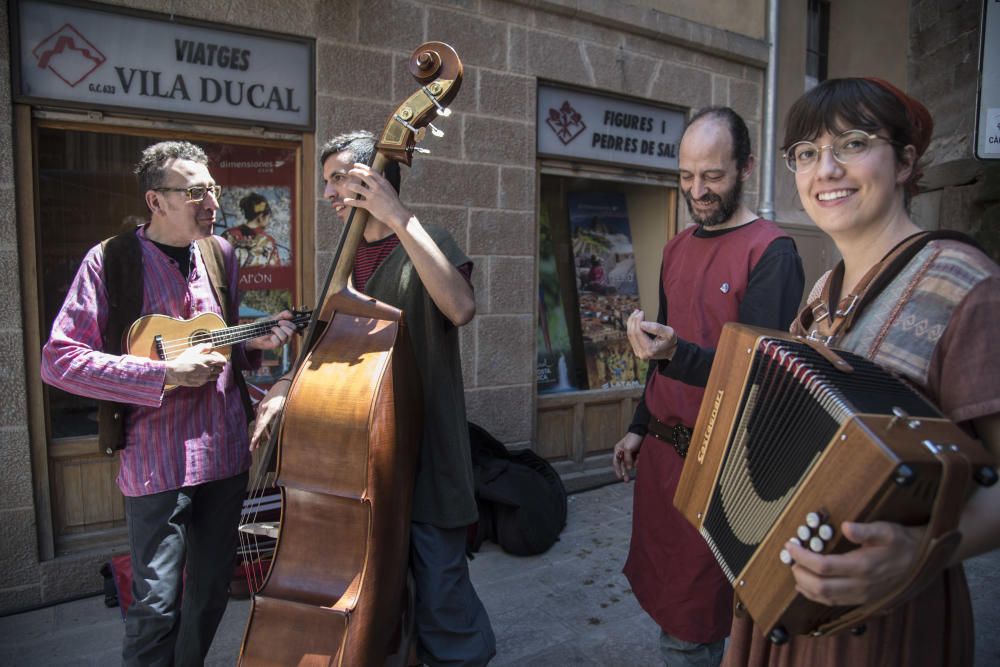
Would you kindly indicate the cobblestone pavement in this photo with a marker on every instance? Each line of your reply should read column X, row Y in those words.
column 569, row 606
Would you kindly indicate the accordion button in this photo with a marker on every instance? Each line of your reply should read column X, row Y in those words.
column 816, row 544
column 785, row 557
column 826, row 531
column 804, row 533
column 796, row 540
column 813, row 520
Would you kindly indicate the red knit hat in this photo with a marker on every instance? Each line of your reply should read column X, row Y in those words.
column 921, row 122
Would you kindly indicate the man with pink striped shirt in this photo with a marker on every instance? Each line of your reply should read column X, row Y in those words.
column 186, row 455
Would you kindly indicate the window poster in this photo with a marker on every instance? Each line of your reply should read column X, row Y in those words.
column 555, row 358
column 257, row 216
column 607, row 288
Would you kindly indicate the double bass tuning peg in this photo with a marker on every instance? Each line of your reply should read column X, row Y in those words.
column 444, row 112
column 435, row 131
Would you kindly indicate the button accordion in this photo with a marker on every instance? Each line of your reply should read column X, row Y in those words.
column 788, row 446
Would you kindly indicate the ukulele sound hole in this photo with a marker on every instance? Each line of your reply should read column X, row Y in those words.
column 201, row 337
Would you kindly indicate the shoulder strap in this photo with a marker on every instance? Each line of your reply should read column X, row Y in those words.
column 215, row 265
column 215, row 262
column 123, row 280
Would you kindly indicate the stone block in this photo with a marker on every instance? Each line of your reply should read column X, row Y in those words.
column 747, row 99
column 10, row 270
column 77, row 575
column 453, row 218
column 556, row 57
column 506, row 412
column 391, row 24
column 619, row 70
column 477, row 41
column 658, row 49
column 4, row 34
column 582, row 30
column 502, row 95
column 682, row 86
column 517, row 189
column 12, row 349
column 721, row 66
column 338, row 20
column 295, row 17
column 8, row 217
column 21, row 597
column 493, row 232
column 355, row 72
column 19, row 556
column 499, row 141
column 323, row 262
column 507, row 11
column 481, row 284
column 336, row 115
column 505, row 349
column 517, row 50
column 433, row 181
column 15, row 464
column 467, row 345
column 720, row 91
column 513, row 282
column 6, row 155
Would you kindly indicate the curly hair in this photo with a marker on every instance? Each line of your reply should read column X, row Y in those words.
column 150, row 170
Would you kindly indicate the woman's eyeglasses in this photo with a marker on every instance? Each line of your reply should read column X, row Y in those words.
column 195, row 193
column 846, row 147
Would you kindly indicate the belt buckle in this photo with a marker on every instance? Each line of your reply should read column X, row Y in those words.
column 682, row 439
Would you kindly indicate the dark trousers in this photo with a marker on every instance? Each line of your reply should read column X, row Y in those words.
column 180, row 539
column 452, row 625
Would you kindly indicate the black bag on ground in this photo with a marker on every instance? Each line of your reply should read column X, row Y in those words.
column 521, row 499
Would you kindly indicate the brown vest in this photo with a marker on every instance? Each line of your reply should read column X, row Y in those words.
column 123, row 279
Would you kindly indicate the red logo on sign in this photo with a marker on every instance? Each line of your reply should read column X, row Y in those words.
column 68, row 55
column 566, row 122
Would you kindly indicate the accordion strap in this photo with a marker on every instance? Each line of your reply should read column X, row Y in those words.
column 939, row 542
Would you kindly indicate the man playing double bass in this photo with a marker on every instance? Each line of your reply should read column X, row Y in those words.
column 421, row 270
column 184, row 463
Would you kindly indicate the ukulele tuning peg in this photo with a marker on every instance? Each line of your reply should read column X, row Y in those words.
column 435, row 131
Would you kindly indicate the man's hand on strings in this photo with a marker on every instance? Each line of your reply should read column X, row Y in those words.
column 650, row 340
column 195, row 366
column 372, row 192
column 280, row 334
column 269, row 412
column 624, row 455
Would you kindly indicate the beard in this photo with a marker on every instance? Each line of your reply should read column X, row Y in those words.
column 727, row 203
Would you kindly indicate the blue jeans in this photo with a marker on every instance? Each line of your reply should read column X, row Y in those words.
column 679, row 653
column 194, row 529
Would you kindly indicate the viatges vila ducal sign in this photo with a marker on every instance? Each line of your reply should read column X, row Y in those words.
column 575, row 124
column 99, row 57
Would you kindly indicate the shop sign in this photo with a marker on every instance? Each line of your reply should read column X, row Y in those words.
column 574, row 124
column 988, row 109
column 99, row 57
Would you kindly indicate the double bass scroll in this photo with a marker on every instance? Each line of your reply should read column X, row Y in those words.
column 347, row 449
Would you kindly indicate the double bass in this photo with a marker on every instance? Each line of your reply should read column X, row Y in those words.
column 347, row 448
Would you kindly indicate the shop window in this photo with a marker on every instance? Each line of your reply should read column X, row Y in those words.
column 599, row 243
column 817, row 42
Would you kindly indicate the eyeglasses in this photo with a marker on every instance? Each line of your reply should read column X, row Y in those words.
column 846, row 147
column 195, row 193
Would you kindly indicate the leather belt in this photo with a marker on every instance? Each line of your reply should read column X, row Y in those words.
column 678, row 436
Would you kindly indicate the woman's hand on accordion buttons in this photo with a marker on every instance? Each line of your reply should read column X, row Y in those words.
column 650, row 340
column 624, row 456
column 883, row 559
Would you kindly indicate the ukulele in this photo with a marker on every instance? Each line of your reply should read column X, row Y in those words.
column 161, row 337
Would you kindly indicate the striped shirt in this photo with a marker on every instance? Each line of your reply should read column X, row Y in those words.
column 371, row 255
column 188, row 436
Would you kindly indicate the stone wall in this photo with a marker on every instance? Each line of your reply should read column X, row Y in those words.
column 479, row 182
column 962, row 193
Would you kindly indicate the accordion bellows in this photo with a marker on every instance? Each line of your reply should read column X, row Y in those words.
column 788, row 446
